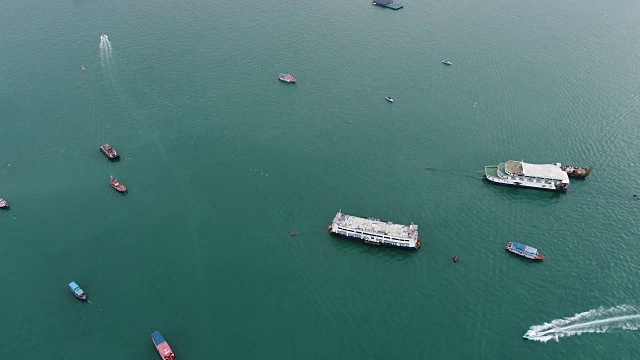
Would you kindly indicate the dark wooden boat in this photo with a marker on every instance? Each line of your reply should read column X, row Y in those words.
column 3, row 204
column 109, row 151
column 576, row 171
column 117, row 185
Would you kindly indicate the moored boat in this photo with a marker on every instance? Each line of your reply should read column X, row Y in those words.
column 389, row 98
column 375, row 231
column 446, row 62
column 109, row 151
column 524, row 250
column 3, row 204
column 117, row 185
column 537, row 176
column 77, row 291
column 286, row 78
column 162, row 346
column 575, row 171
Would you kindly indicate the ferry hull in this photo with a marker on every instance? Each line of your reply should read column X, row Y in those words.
column 376, row 243
column 500, row 181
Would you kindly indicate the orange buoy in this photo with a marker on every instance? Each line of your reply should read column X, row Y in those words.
column 455, row 259
column 293, row 233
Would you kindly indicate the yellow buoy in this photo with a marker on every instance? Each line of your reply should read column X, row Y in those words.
column 82, row 67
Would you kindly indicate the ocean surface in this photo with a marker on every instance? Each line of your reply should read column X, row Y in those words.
column 223, row 162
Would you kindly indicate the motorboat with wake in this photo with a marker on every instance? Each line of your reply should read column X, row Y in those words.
column 118, row 186
column 77, row 291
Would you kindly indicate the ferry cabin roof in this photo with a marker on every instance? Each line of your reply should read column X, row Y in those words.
column 523, row 247
column 544, row 171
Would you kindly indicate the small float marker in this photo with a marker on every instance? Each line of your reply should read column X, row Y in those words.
column 293, row 233
column 455, row 259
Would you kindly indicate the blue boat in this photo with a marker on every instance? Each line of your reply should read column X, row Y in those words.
column 77, row 291
column 162, row 346
column 524, row 250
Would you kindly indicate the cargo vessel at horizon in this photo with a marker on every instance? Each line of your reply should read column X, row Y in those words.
column 375, row 231
column 522, row 174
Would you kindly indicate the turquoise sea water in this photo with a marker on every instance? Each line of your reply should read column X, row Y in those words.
column 223, row 161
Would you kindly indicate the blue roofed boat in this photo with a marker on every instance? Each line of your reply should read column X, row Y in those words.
column 162, row 346
column 524, row 250
column 77, row 291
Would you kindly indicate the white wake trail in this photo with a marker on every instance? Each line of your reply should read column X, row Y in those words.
column 106, row 52
column 601, row 320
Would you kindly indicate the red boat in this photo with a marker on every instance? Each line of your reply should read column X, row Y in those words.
column 109, row 151
column 3, row 204
column 162, row 346
column 117, row 185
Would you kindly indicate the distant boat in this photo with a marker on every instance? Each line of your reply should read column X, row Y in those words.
column 286, row 78
column 83, row 68
column 162, row 346
column 3, row 204
column 77, row 291
column 524, row 250
column 117, row 185
column 389, row 98
column 109, row 151
column 446, row 62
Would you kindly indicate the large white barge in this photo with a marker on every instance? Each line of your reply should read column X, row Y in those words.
column 518, row 173
column 375, row 231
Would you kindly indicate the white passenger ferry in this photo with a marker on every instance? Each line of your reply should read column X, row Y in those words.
column 375, row 231
column 518, row 173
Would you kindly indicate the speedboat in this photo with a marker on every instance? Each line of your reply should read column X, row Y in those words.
column 3, row 204
column 117, row 185
column 389, row 98
column 446, row 62
column 109, row 151
column 286, row 78
column 77, row 291
column 162, row 346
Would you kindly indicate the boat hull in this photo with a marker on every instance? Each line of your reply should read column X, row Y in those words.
column 162, row 346
column 110, row 152
column 418, row 244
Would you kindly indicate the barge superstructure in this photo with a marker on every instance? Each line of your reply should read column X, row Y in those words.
column 375, row 231
column 519, row 173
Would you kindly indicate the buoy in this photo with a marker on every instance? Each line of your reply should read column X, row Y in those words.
column 293, row 233
column 82, row 67
column 455, row 259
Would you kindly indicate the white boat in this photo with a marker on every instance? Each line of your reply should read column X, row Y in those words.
column 375, row 231
column 446, row 62
column 389, row 98
column 519, row 173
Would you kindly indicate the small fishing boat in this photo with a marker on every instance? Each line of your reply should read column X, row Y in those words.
column 286, row 78
column 524, row 250
column 77, row 291
column 389, row 98
column 446, row 62
column 109, row 151
column 575, row 171
column 162, row 346
column 83, row 68
column 117, row 185
column 3, row 204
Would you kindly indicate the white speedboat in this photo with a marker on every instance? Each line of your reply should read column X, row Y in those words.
column 389, row 98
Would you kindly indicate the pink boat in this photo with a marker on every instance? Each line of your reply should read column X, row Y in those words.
column 286, row 78
column 162, row 346
column 3, row 204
